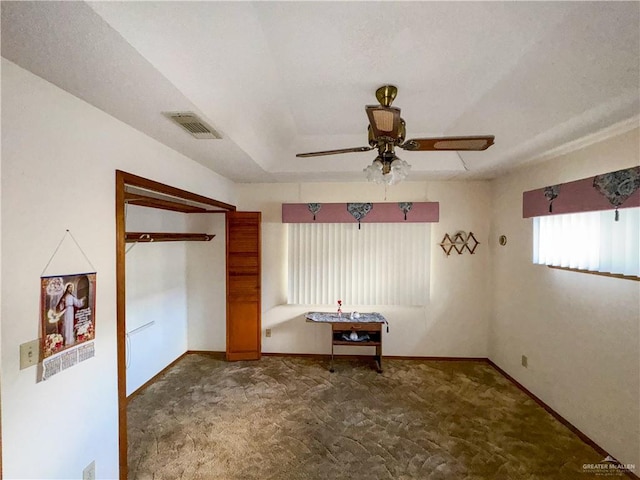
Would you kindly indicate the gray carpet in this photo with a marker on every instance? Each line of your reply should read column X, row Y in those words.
column 288, row 418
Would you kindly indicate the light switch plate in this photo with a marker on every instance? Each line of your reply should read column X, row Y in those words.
column 29, row 353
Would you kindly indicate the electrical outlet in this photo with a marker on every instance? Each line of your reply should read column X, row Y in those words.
column 89, row 472
column 29, row 353
column 525, row 361
column 267, row 332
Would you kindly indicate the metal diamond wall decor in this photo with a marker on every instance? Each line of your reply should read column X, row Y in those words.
column 459, row 242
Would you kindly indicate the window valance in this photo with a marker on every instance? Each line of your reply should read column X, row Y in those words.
column 613, row 190
column 396, row 212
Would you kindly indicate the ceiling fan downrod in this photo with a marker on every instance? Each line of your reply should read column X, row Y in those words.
column 386, row 95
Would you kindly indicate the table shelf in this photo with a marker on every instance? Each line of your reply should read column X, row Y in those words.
column 356, row 344
column 375, row 338
column 372, row 329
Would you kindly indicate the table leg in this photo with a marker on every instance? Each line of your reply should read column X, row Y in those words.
column 331, row 364
column 379, row 358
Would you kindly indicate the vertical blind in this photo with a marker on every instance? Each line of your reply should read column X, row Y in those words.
column 380, row 264
column 591, row 241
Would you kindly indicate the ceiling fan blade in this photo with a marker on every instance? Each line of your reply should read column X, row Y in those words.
column 335, row 152
column 384, row 121
column 481, row 142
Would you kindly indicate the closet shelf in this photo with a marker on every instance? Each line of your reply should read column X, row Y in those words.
column 135, row 237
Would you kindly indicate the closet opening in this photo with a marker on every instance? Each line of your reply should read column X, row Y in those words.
column 133, row 190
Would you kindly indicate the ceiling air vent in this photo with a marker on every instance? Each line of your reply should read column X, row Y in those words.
column 193, row 125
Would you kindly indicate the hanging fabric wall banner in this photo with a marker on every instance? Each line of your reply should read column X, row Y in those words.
column 67, row 309
column 67, row 314
column 410, row 212
column 613, row 190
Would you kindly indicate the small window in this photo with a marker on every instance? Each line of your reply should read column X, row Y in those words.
column 590, row 241
column 379, row 264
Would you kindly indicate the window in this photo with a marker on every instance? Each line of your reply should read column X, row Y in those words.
column 380, row 264
column 591, row 241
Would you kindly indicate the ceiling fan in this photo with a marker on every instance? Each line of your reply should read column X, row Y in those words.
column 387, row 130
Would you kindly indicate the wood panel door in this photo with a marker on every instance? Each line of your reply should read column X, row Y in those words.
column 243, row 286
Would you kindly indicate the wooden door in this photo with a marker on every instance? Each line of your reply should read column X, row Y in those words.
column 243, row 286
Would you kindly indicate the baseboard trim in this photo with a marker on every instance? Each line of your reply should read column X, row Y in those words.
column 384, row 357
column 209, row 353
column 142, row 387
column 582, row 436
column 438, row 359
column 318, row 356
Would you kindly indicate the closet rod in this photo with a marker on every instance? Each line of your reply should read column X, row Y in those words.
column 134, row 237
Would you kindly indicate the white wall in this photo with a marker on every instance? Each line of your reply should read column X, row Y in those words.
column 206, row 279
column 59, row 157
column 455, row 321
column 156, row 292
column 579, row 331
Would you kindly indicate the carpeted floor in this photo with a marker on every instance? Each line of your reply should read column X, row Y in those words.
column 288, row 418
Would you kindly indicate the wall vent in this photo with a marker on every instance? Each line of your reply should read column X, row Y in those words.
column 193, row 124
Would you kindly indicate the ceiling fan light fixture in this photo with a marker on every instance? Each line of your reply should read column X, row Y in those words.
column 399, row 171
column 374, row 171
column 388, row 171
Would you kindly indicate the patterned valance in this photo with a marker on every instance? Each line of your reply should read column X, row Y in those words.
column 401, row 212
column 613, row 190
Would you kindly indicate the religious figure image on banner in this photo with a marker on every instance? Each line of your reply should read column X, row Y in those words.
column 67, row 311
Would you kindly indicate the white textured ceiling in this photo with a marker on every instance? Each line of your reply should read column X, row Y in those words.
column 277, row 78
